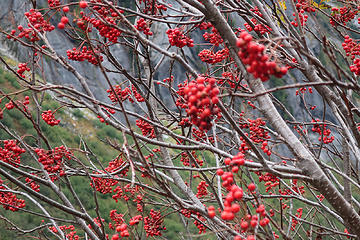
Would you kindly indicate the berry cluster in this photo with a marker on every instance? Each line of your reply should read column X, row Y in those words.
column 178, row 39
column 343, row 15
column 37, row 21
column 9, row 200
column 33, row 184
column 257, row 27
column 10, row 152
column 235, row 162
column 302, row 17
column 54, row 3
column 64, row 20
column 135, row 220
column 142, row 26
column 202, row 189
column 270, row 180
column 72, row 233
column 49, row 118
column 106, row 27
column 146, row 128
column 152, row 224
column 53, row 160
column 210, row 57
column 323, row 132
column 298, row 214
column 85, row 54
column 152, row 7
column 123, row 230
column 22, row 68
column 201, row 102
column 253, row 220
column 352, row 49
column 185, row 159
column 256, row 134
column 213, row 37
column 258, row 64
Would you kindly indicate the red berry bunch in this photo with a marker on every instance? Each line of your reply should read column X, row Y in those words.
column 146, row 128
column 142, row 26
column 343, row 15
column 237, row 161
column 202, row 189
column 305, row 5
column 355, row 67
column 136, row 94
column 117, row 218
column 9, row 200
column 22, row 68
column 210, row 57
column 298, row 214
column 178, row 39
column 135, row 220
column 260, row 28
column 121, row 94
column 72, row 233
column 105, row 30
column 213, row 37
column 185, row 159
column 152, row 7
column 49, row 118
column 123, row 230
column 352, row 49
column 201, row 102
column 33, row 184
column 53, row 160
column 152, row 224
column 323, row 132
column 270, row 180
column 37, row 21
column 64, row 20
column 258, row 63
column 10, row 152
column 85, row 54
column 256, row 134
column 211, row 211
column 302, row 17
column 54, row 3
column 230, row 209
column 295, row 188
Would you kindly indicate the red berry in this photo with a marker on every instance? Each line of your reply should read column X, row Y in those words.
column 64, row 20
column 83, row 4
column 251, row 187
column 65, row 9
column 61, row 25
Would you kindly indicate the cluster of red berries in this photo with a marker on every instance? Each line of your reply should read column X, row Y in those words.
column 352, row 49
column 185, row 159
column 146, row 128
column 235, row 162
column 253, row 220
column 257, row 27
column 202, row 189
column 53, row 160
column 343, row 15
column 49, row 118
column 127, row 193
column 135, row 220
column 64, row 20
column 302, row 17
column 54, row 3
column 178, row 39
column 257, row 134
column 152, row 7
column 213, row 37
column 103, row 185
column 10, row 105
column 105, row 29
column 153, row 224
column 303, row 90
column 123, row 231
column 118, row 218
column 298, row 214
column 22, row 68
column 142, row 26
column 9, row 200
column 10, row 152
column 258, row 64
column 322, row 131
column 210, row 57
column 270, row 180
column 305, row 5
column 201, row 102
column 36, row 20
column 34, row 186
column 85, row 54
column 294, row 187
column 71, row 235
column 124, row 94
